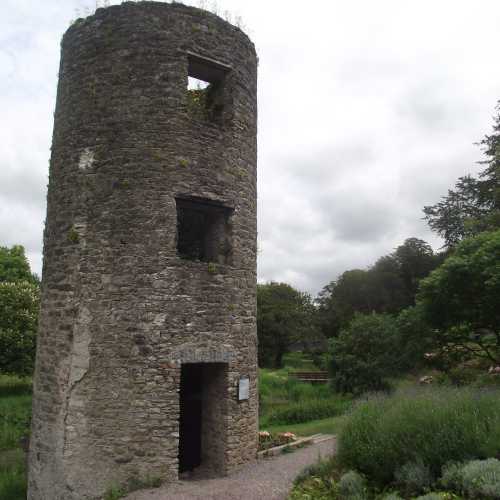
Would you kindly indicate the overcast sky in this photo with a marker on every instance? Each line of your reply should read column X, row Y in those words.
column 368, row 110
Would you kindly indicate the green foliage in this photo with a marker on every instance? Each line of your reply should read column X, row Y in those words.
column 475, row 479
column 284, row 316
column 12, row 477
column 414, row 478
column 432, row 426
column 134, row 483
column 437, row 496
column 414, row 338
column 298, row 361
column 115, row 493
column 363, row 354
column 461, row 298
column 352, row 486
column 387, row 287
column 19, row 302
column 15, row 411
column 474, row 205
column 304, row 411
column 73, row 235
column 14, row 265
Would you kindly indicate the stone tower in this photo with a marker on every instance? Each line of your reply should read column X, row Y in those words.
column 147, row 349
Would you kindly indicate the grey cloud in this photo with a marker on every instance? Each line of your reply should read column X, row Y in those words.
column 363, row 120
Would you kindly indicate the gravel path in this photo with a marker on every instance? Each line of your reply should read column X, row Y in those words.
column 265, row 479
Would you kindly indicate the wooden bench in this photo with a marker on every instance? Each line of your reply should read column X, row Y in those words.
column 313, row 377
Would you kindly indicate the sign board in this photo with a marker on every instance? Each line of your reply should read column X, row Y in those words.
column 243, row 389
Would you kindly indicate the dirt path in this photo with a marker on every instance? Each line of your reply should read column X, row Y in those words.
column 265, row 479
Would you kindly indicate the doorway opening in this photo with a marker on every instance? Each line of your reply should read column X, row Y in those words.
column 202, row 425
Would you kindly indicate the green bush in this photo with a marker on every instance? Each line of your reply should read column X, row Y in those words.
column 475, row 479
column 304, row 411
column 414, row 478
column 352, row 486
column 363, row 355
column 432, row 425
column 436, row 496
column 298, row 361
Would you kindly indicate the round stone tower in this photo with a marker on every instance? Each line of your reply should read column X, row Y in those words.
column 147, row 348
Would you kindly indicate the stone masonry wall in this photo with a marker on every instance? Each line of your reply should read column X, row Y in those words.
column 120, row 310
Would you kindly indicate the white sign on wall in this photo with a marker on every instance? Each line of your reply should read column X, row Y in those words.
column 244, row 389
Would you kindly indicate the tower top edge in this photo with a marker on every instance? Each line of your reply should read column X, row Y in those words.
column 149, row 8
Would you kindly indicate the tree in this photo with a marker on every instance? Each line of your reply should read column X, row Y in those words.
column 19, row 299
column 415, row 259
column 14, row 265
column 474, row 205
column 364, row 355
column 461, row 298
column 18, row 321
column 387, row 287
column 284, row 316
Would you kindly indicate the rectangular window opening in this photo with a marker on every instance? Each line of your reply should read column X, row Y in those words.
column 204, row 230
column 205, row 88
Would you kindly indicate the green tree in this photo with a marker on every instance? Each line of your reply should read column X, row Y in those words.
column 414, row 338
column 461, row 298
column 14, row 265
column 284, row 316
column 18, row 321
column 415, row 259
column 387, row 287
column 364, row 355
column 473, row 205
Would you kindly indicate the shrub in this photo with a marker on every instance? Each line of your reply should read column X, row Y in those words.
column 433, row 425
column 296, row 413
column 363, row 354
column 414, row 478
column 436, row 496
column 449, row 298
column 19, row 306
column 476, row 479
column 352, row 486
column 391, row 496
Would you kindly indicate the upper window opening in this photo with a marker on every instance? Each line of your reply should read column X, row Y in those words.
column 203, row 230
column 205, row 88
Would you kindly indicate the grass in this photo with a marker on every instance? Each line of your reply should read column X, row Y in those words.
column 289, row 404
column 324, row 426
column 12, row 475
column 15, row 411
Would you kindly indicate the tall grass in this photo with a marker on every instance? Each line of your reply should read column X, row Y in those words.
column 305, row 411
column 285, row 400
column 12, row 476
column 15, row 411
column 432, row 426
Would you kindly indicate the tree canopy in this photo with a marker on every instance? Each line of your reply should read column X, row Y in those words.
column 461, row 299
column 19, row 299
column 473, row 205
column 387, row 287
column 285, row 316
column 14, row 265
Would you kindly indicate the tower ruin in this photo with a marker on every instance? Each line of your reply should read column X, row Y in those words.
column 147, row 348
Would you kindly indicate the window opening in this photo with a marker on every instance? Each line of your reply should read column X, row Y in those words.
column 205, row 88
column 203, row 230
